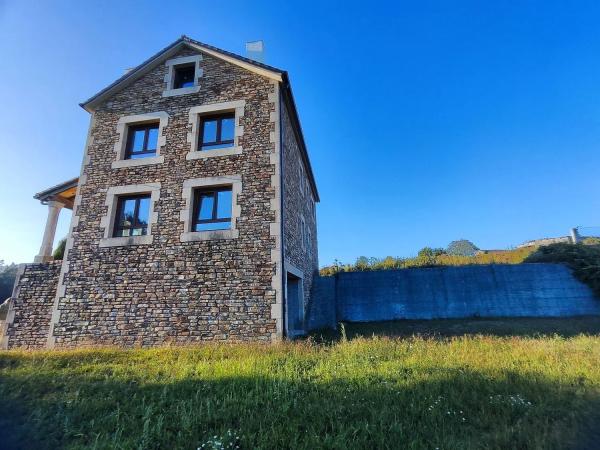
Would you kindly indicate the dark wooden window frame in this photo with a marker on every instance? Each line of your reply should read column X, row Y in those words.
column 214, row 191
column 117, row 228
column 177, row 75
column 130, row 136
column 219, row 118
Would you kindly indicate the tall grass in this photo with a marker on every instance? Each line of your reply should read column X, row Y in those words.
column 415, row 393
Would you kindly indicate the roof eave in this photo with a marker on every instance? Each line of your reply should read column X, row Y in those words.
column 130, row 76
column 46, row 193
column 296, row 122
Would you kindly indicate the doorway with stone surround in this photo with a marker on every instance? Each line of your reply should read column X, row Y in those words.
column 294, row 294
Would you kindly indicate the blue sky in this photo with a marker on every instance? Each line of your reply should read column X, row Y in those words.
column 425, row 121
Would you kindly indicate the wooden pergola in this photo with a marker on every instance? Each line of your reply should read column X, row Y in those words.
column 57, row 197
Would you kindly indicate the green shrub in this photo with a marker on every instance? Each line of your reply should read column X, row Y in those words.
column 591, row 241
column 583, row 259
column 59, row 251
column 4, row 309
column 429, row 257
column 7, row 279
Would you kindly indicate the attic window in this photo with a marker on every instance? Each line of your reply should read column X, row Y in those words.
column 184, row 76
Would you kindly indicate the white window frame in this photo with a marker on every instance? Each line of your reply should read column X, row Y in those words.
column 108, row 221
column 235, row 181
column 170, row 76
column 195, row 115
column 123, row 126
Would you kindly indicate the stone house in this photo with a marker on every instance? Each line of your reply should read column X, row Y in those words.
column 193, row 217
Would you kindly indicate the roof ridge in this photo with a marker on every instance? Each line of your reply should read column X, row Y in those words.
column 233, row 55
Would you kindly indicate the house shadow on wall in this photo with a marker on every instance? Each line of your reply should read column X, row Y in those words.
column 447, row 328
column 429, row 408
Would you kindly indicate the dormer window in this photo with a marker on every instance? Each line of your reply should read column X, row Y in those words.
column 142, row 141
column 184, row 76
column 217, row 131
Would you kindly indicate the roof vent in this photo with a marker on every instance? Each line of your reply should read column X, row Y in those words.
column 255, row 50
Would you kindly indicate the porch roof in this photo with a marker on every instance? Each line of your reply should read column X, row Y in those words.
column 63, row 193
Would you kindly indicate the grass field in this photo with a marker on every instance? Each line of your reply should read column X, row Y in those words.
column 537, row 389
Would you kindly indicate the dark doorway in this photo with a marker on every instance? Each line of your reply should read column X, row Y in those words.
column 295, row 305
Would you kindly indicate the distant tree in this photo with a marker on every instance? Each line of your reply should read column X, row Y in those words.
column 7, row 279
column 462, row 247
column 362, row 263
column 389, row 262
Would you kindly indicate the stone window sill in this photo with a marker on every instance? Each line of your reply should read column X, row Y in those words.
column 138, row 162
column 126, row 241
column 194, row 236
column 203, row 154
column 180, row 91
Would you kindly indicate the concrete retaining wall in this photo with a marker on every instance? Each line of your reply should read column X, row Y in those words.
column 526, row 290
column 321, row 312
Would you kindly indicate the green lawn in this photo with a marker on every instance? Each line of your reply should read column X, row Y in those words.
column 461, row 392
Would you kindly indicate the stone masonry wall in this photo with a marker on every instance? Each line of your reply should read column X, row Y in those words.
column 173, row 291
column 298, row 203
column 28, row 318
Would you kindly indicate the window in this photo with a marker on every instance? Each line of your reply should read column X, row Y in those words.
column 184, row 76
column 142, row 141
column 212, row 209
column 132, row 216
column 217, row 131
column 303, row 233
column 301, row 178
